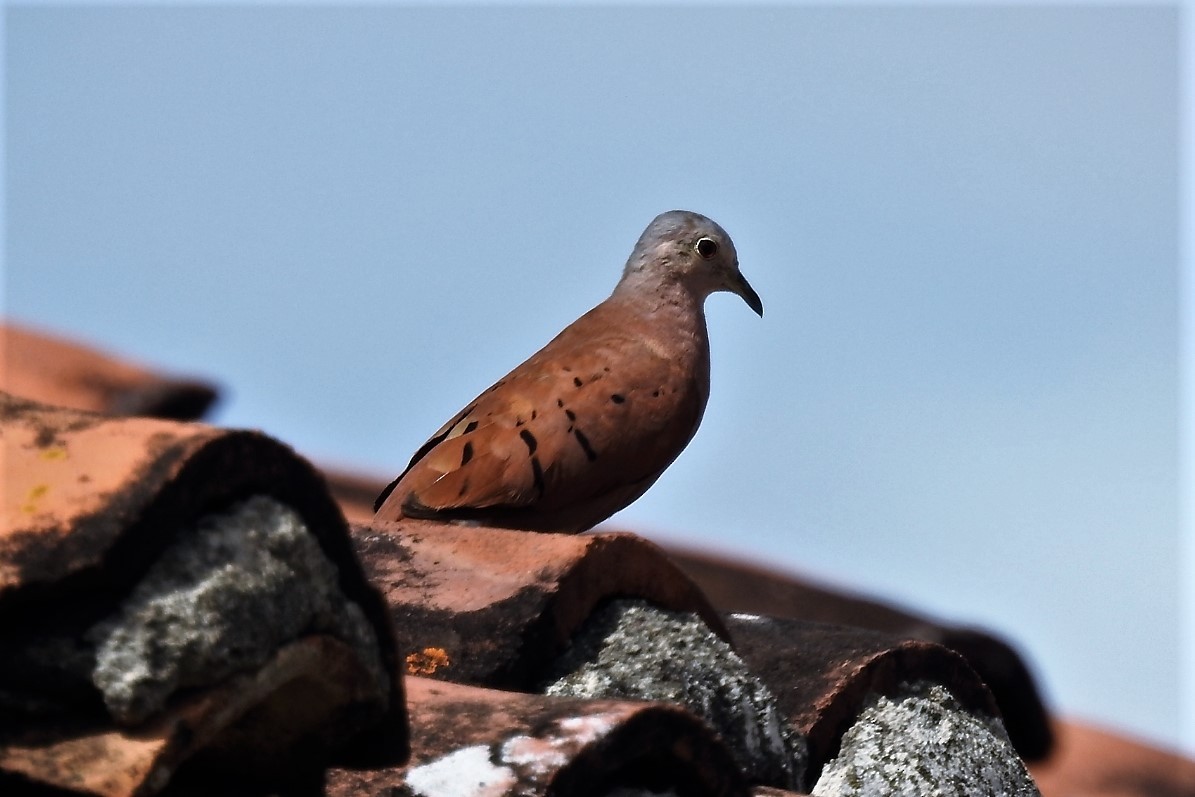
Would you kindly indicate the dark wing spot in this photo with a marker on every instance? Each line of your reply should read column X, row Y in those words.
column 519, row 421
column 617, row 398
column 466, row 454
column 572, row 416
column 559, row 402
column 530, row 440
column 464, row 489
column 577, row 381
column 470, row 427
column 537, row 474
column 655, row 394
column 533, row 414
column 590, row 454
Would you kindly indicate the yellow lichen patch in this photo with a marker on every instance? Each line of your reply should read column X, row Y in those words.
column 54, row 454
column 427, row 661
column 31, row 498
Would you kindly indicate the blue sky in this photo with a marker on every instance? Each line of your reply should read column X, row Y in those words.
column 963, row 221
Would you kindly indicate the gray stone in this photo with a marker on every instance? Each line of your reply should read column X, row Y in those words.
column 923, row 743
column 222, row 599
column 630, row 649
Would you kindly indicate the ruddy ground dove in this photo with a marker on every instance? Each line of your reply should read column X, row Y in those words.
column 591, row 420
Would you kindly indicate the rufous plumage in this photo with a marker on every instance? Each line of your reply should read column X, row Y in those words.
column 590, row 421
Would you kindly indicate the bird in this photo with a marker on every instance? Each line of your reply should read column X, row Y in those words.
column 588, row 423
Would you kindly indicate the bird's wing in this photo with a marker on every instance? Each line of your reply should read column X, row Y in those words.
column 594, row 411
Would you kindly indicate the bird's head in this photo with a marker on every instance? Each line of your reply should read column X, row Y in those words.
column 691, row 250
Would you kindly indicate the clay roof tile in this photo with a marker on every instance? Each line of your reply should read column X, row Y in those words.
column 1099, row 763
column 51, row 369
column 514, row 743
column 822, row 675
column 90, row 503
column 740, row 587
column 494, row 607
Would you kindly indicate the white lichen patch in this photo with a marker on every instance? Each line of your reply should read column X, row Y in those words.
column 222, row 599
column 557, row 745
column 467, row 772
column 589, row 728
column 923, row 743
column 633, row 650
column 536, row 755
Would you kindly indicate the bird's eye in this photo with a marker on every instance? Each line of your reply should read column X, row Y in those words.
column 707, row 247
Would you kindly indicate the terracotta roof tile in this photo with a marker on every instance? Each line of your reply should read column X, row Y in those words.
column 87, row 494
column 93, row 505
column 734, row 586
column 494, row 607
column 740, row 587
column 822, row 675
column 248, row 728
column 1097, row 763
column 48, row 368
column 492, row 742
column 630, row 649
column 94, row 508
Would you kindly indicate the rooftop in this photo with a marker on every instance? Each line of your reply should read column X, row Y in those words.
column 194, row 609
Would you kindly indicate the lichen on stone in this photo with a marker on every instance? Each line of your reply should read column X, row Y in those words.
column 222, row 599
column 630, row 649
column 920, row 742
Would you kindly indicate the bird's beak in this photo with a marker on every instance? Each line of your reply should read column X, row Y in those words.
column 744, row 289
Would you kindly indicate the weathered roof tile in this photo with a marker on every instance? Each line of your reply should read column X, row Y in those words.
column 111, row 541
column 48, row 368
column 469, row 740
column 1092, row 762
column 91, row 503
column 494, row 607
column 738, row 587
column 822, row 674
column 249, row 727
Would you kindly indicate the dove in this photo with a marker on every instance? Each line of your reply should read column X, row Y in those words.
column 589, row 422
